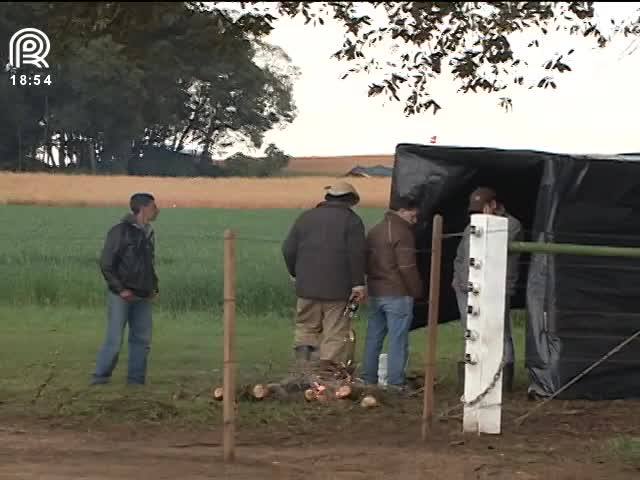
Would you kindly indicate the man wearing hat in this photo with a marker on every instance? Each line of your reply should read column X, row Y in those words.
column 484, row 200
column 325, row 254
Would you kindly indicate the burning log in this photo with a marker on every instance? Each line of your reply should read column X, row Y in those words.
column 350, row 392
column 321, row 392
column 318, row 392
column 369, row 401
column 309, row 395
column 261, row 391
column 217, row 394
column 257, row 392
column 322, row 384
column 323, row 397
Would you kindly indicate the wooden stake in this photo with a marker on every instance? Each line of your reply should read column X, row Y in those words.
column 229, row 385
column 432, row 328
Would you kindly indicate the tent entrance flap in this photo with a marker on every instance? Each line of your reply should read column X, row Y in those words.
column 517, row 190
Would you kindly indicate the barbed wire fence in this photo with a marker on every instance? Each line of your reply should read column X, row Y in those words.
column 193, row 280
column 618, row 259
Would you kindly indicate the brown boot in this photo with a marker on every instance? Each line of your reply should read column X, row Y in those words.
column 298, row 378
column 302, row 354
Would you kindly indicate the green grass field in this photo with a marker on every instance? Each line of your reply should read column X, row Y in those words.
column 53, row 317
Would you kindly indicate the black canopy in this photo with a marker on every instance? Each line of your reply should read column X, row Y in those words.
column 578, row 308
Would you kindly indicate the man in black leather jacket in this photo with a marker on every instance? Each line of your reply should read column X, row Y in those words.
column 128, row 266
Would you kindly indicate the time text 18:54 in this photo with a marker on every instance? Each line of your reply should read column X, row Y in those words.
column 27, row 80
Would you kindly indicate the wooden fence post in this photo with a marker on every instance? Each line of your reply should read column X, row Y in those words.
column 229, row 385
column 432, row 328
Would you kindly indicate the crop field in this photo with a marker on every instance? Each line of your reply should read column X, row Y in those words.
column 52, row 320
column 235, row 193
column 52, row 293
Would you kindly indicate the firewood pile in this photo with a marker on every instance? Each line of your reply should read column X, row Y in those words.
column 322, row 384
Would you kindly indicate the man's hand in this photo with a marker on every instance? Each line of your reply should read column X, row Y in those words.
column 127, row 295
column 359, row 294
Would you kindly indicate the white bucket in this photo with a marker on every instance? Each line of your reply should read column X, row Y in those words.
column 382, row 369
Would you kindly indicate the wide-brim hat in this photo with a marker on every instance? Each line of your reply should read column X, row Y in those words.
column 340, row 189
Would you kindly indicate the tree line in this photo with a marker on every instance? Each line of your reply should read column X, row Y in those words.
column 134, row 86
column 133, row 82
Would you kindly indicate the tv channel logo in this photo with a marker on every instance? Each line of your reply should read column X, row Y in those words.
column 29, row 46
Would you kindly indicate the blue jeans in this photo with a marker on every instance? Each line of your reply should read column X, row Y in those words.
column 392, row 315
column 137, row 314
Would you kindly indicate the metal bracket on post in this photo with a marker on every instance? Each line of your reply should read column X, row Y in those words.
column 475, row 230
column 475, row 263
column 470, row 359
column 470, row 335
column 484, row 343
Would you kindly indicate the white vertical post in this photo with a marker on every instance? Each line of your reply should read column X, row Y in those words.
column 485, row 322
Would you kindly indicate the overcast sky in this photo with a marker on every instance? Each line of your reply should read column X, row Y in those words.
column 594, row 110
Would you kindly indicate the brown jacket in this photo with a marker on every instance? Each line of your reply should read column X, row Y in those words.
column 391, row 259
column 325, row 251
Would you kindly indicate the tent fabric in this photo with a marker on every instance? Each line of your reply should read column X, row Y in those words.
column 578, row 308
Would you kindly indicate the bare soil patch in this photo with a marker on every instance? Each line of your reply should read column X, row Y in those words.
column 567, row 440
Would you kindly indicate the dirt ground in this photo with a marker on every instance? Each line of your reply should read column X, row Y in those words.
column 565, row 440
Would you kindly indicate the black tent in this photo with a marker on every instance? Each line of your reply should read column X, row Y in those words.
column 578, row 308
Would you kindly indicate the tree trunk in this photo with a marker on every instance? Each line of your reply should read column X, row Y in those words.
column 34, row 153
column 184, row 135
column 49, row 150
column 76, row 152
column 64, row 149
column 91, row 150
column 212, row 132
column 208, row 141
column 19, row 132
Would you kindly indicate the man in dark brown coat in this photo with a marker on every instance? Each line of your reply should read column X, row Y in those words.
column 325, row 254
column 393, row 282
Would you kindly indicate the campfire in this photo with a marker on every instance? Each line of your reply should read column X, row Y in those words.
column 327, row 382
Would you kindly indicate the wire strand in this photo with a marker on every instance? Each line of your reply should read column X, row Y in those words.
column 577, row 378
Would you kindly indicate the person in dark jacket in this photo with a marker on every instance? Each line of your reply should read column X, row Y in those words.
column 128, row 267
column 325, row 255
column 393, row 283
column 484, row 200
